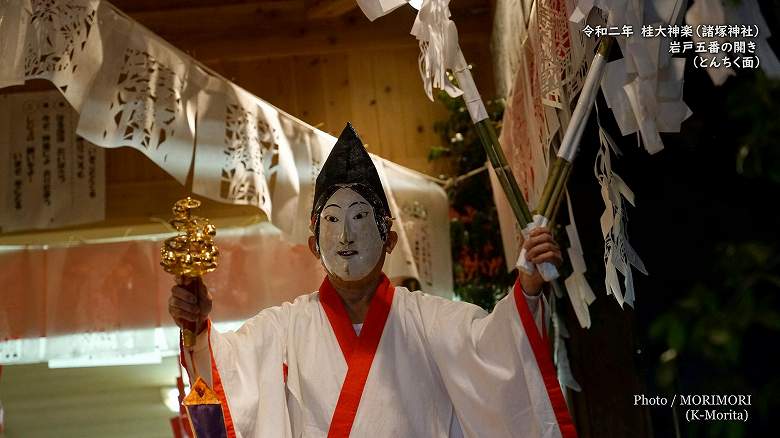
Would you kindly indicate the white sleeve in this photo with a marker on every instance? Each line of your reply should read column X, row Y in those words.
column 247, row 367
column 489, row 368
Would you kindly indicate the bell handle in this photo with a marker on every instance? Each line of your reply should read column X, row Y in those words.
column 190, row 329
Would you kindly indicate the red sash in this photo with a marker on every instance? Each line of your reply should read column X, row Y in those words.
column 358, row 351
column 541, row 350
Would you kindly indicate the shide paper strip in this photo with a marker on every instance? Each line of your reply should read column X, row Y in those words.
column 619, row 256
column 636, row 86
column 580, row 293
column 374, row 9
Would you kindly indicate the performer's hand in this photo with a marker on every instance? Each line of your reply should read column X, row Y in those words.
column 540, row 247
column 190, row 301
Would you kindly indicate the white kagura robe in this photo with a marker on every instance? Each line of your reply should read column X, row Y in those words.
column 441, row 369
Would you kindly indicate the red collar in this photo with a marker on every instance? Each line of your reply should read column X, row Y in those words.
column 358, row 351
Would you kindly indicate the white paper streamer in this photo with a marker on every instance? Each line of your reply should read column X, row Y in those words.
column 374, row 9
column 619, row 256
column 580, row 293
column 439, row 47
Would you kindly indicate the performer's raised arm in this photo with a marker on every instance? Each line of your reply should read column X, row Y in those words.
column 490, row 363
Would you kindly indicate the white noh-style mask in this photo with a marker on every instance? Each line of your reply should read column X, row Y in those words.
column 349, row 240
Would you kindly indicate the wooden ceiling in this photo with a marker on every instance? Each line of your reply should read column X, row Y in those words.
column 267, row 28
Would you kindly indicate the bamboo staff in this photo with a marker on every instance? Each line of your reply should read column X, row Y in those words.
column 489, row 140
column 555, row 186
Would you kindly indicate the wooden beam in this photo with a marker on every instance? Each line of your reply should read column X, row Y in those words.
column 349, row 34
column 215, row 21
column 324, row 9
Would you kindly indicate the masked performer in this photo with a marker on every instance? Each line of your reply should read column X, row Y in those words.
column 363, row 358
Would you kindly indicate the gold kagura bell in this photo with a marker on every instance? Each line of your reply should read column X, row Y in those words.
column 192, row 253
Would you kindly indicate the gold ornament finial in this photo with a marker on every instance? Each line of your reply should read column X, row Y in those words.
column 192, row 253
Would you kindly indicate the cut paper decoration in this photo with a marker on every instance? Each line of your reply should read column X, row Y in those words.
column 310, row 148
column 439, row 48
column 62, row 45
column 619, row 256
column 374, row 9
column 563, row 66
column 140, row 98
column 237, row 152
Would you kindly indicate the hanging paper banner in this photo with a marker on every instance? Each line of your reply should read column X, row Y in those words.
column 51, row 177
column 232, row 136
column 140, row 97
column 423, row 212
column 62, row 45
column 243, row 155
